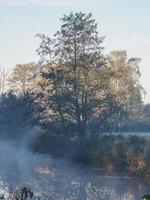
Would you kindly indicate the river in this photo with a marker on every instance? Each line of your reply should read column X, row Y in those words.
column 59, row 179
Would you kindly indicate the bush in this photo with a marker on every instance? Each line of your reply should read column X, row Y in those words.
column 130, row 154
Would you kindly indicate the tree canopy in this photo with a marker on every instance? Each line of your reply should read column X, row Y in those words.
column 81, row 87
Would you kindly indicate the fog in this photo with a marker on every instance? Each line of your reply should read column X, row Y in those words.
column 59, row 178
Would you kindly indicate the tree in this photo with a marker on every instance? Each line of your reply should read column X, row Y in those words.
column 23, row 78
column 2, row 79
column 125, row 83
column 75, row 87
column 17, row 115
column 125, row 75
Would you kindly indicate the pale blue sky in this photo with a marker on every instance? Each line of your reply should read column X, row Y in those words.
column 125, row 23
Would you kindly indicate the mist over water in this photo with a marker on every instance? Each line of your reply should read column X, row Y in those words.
column 60, row 178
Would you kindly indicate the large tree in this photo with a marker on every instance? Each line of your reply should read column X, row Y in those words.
column 75, row 87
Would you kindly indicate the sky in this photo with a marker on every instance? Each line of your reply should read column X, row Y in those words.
column 124, row 23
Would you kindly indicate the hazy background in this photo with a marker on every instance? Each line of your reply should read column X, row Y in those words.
column 124, row 23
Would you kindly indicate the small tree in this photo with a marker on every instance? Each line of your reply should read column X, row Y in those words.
column 23, row 78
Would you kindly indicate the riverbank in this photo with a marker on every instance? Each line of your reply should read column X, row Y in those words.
column 129, row 154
